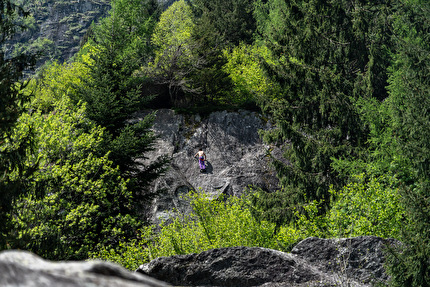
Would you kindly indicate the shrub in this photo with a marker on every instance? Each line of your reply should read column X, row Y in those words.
column 366, row 207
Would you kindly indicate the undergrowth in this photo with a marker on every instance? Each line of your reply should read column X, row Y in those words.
column 361, row 208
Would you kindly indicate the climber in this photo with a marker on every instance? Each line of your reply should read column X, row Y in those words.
column 202, row 157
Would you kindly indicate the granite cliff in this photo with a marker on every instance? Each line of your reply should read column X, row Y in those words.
column 236, row 156
column 57, row 27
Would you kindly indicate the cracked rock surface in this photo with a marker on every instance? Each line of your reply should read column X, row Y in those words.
column 236, row 156
column 314, row 262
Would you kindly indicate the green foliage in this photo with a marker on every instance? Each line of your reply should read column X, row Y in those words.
column 220, row 24
column 364, row 207
column 210, row 225
column 113, row 93
column 244, row 67
column 322, row 66
column 409, row 105
column 175, row 53
column 56, row 81
column 174, row 27
column 223, row 222
column 76, row 201
column 129, row 253
column 13, row 96
column 112, row 90
column 138, row 19
column 225, row 22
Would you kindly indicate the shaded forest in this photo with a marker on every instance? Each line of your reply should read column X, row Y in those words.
column 345, row 82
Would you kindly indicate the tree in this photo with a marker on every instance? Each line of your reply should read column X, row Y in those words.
column 220, row 24
column 113, row 92
column 12, row 99
column 244, row 68
column 76, row 201
column 328, row 55
column 409, row 107
column 175, row 52
column 226, row 23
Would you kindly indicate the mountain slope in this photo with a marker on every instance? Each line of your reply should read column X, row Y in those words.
column 57, row 27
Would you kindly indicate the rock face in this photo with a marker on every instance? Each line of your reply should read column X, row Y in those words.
column 236, row 156
column 58, row 26
column 313, row 262
column 23, row 269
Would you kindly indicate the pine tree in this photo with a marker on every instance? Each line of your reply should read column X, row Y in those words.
column 113, row 91
column 409, row 105
column 12, row 99
column 326, row 60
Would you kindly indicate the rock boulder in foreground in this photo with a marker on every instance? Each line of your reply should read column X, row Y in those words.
column 313, row 262
column 24, row 269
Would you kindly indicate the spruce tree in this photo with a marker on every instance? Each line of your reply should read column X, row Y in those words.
column 325, row 62
column 409, row 105
column 12, row 99
column 113, row 91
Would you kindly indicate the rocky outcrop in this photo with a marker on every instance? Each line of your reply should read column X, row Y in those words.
column 236, row 156
column 313, row 262
column 24, row 269
column 56, row 28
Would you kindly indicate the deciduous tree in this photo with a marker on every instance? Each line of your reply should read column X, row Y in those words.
column 76, row 201
column 176, row 58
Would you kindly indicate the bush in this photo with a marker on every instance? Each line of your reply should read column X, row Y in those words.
column 366, row 207
column 224, row 222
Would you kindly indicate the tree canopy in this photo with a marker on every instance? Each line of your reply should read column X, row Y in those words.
column 12, row 99
column 345, row 85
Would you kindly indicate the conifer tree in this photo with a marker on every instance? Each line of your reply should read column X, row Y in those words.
column 12, row 99
column 113, row 91
column 409, row 104
column 325, row 62
column 220, row 24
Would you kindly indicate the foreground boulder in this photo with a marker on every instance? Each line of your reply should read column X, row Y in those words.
column 24, row 269
column 313, row 262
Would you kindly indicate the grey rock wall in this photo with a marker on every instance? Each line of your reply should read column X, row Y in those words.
column 236, row 156
column 313, row 262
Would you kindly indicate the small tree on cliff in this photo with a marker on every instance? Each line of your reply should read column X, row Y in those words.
column 176, row 58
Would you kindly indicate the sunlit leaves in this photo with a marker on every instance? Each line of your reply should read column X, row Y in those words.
column 175, row 51
column 75, row 197
column 244, row 67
